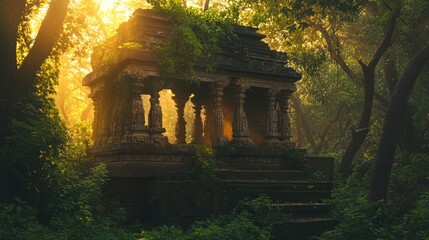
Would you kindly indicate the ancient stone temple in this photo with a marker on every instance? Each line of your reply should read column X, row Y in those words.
column 248, row 92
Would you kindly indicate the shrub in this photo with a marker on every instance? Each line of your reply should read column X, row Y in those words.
column 204, row 166
column 262, row 211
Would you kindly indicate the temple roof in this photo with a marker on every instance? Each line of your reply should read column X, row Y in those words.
column 245, row 56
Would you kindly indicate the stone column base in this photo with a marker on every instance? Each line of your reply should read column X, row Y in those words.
column 242, row 141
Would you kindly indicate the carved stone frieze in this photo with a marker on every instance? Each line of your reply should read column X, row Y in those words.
column 134, row 71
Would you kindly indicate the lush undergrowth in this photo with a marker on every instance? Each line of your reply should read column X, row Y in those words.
column 404, row 215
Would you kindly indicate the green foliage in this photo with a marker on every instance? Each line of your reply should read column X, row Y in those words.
column 364, row 221
column 49, row 189
column 403, row 216
column 163, row 233
column 62, row 201
column 262, row 211
column 238, row 227
column 251, row 219
column 225, row 150
column 296, row 159
column 409, row 180
column 204, row 166
column 19, row 220
column 195, row 36
column 417, row 220
column 358, row 219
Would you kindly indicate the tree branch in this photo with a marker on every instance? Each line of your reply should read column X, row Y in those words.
column 333, row 50
column 336, row 57
column 385, row 43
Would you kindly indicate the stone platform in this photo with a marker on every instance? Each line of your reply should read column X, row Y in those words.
column 156, row 187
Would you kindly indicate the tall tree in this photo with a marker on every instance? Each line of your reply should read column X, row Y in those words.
column 16, row 82
column 393, row 125
column 359, row 134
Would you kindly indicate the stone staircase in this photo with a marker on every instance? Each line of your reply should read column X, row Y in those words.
column 290, row 190
column 155, row 187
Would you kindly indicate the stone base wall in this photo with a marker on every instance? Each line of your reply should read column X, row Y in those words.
column 156, row 187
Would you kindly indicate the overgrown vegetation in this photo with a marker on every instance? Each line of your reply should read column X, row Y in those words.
column 49, row 188
column 204, row 166
column 195, row 36
column 402, row 216
column 251, row 219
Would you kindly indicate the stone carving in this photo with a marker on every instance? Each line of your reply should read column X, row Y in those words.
column 271, row 127
column 240, row 131
column 155, row 114
column 197, row 131
column 134, row 71
column 138, row 131
column 283, row 120
column 217, row 88
column 138, row 121
column 180, row 98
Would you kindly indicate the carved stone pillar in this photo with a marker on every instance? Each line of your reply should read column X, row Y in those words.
column 240, row 131
column 197, row 131
column 217, row 135
column 155, row 114
column 271, row 127
column 208, row 104
column 138, row 131
column 180, row 98
column 283, row 120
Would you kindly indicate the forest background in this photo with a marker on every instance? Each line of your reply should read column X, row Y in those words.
column 355, row 57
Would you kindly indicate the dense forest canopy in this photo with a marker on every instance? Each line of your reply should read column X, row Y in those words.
column 363, row 99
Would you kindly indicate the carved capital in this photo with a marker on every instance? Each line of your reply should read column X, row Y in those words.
column 135, row 72
column 241, row 84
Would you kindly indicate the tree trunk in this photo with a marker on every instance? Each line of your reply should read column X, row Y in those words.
column 11, row 11
column 359, row 134
column 206, row 5
column 392, row 126
column 16, row 83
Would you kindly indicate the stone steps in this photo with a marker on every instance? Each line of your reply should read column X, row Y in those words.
column 262, row 185
column 268, row 175
column 301, row 229
column 291, row 191
column 305, row 210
